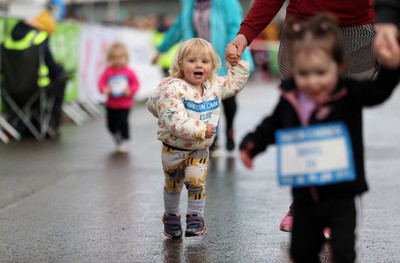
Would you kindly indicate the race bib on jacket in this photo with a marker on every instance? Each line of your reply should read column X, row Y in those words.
column 207, row 111
column 314, row 155
column 118, row 85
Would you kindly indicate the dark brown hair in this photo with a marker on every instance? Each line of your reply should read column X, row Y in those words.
column 321, row 31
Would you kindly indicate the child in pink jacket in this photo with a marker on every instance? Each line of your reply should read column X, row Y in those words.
column 120, row 84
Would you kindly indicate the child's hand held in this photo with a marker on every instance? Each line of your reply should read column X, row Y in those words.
column 245, row 155
column 210, row 130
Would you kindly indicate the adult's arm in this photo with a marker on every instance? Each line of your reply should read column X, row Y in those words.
column 387, row 11
column 259, row 16
column 172, row 36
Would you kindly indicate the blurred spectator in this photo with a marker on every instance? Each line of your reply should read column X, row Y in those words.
column 165, row 59
column 34, row 31
column 265, row 50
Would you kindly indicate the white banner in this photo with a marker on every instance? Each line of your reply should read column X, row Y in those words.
column 25, row 9
column 95, row 41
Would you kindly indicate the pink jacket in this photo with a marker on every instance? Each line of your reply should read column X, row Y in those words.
column 118, row 80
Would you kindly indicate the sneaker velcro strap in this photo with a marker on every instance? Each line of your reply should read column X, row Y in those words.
column 194, row 220
column 172, row 219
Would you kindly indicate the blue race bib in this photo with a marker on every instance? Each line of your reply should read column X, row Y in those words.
column 314, row 155
column 118, row 85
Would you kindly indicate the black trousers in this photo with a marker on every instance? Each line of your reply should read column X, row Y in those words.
column 57, row 89
column 230, row 107
column 342, row 215
column 117, row 122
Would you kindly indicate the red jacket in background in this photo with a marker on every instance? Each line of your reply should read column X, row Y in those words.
column 348, row 13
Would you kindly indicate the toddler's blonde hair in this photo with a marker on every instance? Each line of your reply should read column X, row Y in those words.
column 197, row 46
column 113, row 48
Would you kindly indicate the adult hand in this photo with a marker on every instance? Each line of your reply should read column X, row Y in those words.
column 210, row 131
column 386, row 45
column 235, row 48
column 155, row 59
column 245, row 155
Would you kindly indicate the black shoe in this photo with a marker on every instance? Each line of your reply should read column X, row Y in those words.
column 194, row 225
column 172, row 226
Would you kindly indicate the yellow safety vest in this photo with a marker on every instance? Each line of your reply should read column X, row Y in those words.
column 165, row 59
column 32, row 38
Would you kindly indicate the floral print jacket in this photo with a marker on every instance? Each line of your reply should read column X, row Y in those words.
column 183, row 114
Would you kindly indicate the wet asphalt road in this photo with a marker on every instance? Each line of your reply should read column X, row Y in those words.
column 75, row 200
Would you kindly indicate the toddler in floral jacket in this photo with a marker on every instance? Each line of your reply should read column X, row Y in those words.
column 188, row 108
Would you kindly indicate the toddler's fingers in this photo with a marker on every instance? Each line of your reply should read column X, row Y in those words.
column 247, row 161
column 233, row 60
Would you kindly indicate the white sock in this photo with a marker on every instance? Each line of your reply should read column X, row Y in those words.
column 196, row 206
column 172, row 203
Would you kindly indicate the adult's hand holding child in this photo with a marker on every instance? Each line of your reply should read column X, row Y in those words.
column 235, row 49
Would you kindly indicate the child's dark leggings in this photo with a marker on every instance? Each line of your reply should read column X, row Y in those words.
column 117, row 122
column 342, row 215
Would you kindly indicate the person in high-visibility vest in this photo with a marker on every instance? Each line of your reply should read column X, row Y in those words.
column 164, row 60
column 51, row 75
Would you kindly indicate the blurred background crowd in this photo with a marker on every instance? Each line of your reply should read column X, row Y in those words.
column 83, row 31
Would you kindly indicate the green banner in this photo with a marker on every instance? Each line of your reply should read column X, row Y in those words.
column 64, row 44
column 6, row 26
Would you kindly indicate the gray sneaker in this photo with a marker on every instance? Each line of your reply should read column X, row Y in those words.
column 172, row 226
column 194, row 225
column 123, row 147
